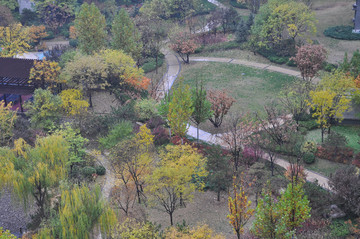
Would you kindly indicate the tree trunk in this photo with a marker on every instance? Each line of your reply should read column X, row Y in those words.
column 187, row 58
column 171, row 218
column 218, row 195
column 156, row 63
column 197, row 133
column 238, row 233
column 322, row 135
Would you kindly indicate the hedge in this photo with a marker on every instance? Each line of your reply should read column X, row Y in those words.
column 342, row 33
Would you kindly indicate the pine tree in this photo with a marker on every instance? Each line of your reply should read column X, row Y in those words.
column 242, row 31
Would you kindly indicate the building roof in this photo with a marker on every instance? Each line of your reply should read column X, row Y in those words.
column 15, row 67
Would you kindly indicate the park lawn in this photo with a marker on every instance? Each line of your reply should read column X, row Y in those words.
column 324, row 167
column 251, row 88
column 350, row 132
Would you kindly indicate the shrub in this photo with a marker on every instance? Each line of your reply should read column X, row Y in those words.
column 319, row 198
column 119, row 132
column 309, row 147
column 161, row 135
column 88, row 171
column 309, row 158
column 339, row 155
column 155, row 122
column 73, row 43
column 29, row 18
column 341, row 32
column 237, row 4
column 100, row 170
column 309, row 124
column 150, row 63
column 329, row 67
column 145, row 109
column 50, row 35
column 356, row 160
column 339, row 229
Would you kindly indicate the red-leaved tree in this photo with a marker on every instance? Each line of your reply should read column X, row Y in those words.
column 220, row 105
column 309, row 60
column 183, row 44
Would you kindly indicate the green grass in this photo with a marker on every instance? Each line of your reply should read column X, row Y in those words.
column 251, row 87
column 350, row 132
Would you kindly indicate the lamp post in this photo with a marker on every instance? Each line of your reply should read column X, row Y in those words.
column 356, row 19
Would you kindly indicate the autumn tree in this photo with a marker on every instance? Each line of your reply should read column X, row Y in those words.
column 219, row 168
column 131, row 228
column 133, row 159
column 237, row 135
column 202, row 107
column 310, row 59
column 80, row 210
column 37, row 33
column 55, row 16
column 45, row 73
column 176, row 177
column 331, row 99
column 180, row 110
column 183, row 44
column 220, row 105
column 125, row 35
column 280, row 20
column 6, row 234
column 239, row 207
column 7, row 122
column 73, row 103
column 294, row 98
column 14, row 40
column 90, row 28
column 35, row 171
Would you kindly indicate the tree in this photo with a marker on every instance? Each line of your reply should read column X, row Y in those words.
column 11, row 4
column 35, row 170
column 202, row 107
column 45, row 110
column 180, row 110
column 294, row 98
column 294, row 206
column 346, row 185
column 214, row 20
column 253, row 5
column 6, row 234
column 37, row 33
column 90, row 28
column 125, row 35
column 239, row 207
column 79, row 211
column 310, row 59
column 46, row 73
column 242, row 31
column 183, row 44
column 133, row 159
column 131, row 228
column 6, row 17
column 279, row 20
column 220, row 105
column 229, row 19
column 218, row 166
column 14, row 40
column 55, row 16
column 73, row 103
column 176, row 177
column 267, row 218
column 331, row 99
column 238, row 132
column 7, row 122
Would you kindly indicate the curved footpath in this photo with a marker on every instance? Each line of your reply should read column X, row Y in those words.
column 174, row 68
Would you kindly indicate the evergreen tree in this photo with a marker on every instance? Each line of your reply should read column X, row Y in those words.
column 90, row 28
column 241, row 31
column 202, row 107
column 125, row 36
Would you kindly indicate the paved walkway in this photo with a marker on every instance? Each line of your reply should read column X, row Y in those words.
column 174, row 70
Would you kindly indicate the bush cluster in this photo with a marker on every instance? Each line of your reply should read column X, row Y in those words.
column 237, row 4
column 150, row 63
column 309, row 158
column 339, row 155
column 100, row 170
column 342, row 33
column 223, row 46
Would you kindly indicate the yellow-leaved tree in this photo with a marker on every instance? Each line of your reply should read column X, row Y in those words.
column 332, row 98
column 7, row 121
column 133, row 159
column 178, row 174
column 14, row 40
column 200, row 231
column 34, row 171
column 73, row 103
column 46, row 73
column 239, row 208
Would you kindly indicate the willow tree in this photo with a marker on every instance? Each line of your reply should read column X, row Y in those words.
column 34, row 171
column 80, row 210
column 7, row 122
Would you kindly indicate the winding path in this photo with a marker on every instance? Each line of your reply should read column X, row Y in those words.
column 173, row 72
